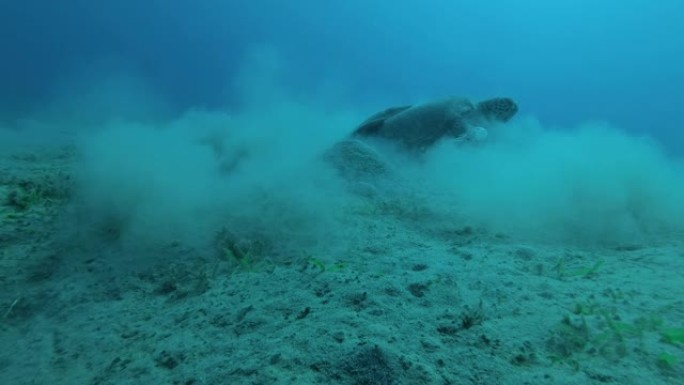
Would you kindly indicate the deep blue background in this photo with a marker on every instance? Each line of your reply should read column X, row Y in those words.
column 565, row 61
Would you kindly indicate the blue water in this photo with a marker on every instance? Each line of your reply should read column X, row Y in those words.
column 194, row 234
column 565, row 61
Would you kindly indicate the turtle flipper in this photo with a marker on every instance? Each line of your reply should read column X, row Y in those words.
column 355, row 160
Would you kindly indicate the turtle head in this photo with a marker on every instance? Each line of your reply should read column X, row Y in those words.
column 498, row 109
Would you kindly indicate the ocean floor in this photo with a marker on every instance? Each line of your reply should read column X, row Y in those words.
column 403, row 300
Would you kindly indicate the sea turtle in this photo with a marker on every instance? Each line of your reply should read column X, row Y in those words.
column 419, row 127
column 415, row 129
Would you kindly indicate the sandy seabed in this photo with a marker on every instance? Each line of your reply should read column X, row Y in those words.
column 401, row 302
